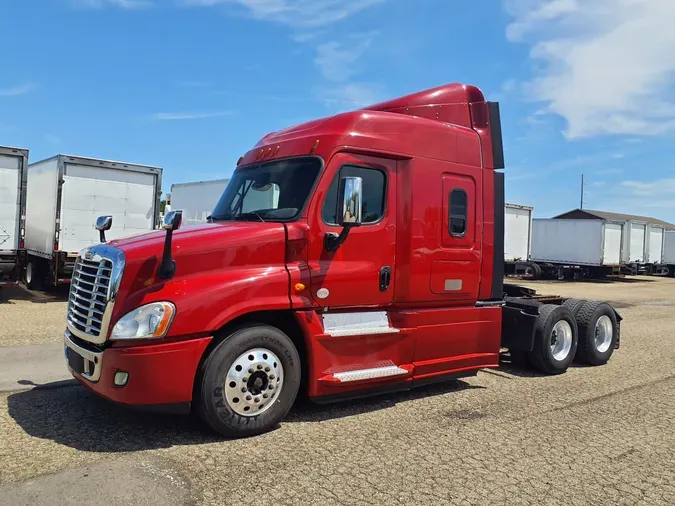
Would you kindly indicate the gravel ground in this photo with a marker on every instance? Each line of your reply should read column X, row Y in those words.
column 31, row 317
column 601, row 435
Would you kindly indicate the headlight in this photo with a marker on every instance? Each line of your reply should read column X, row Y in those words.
column 146, row 322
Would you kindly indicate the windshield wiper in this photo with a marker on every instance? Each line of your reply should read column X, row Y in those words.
column 248, row 215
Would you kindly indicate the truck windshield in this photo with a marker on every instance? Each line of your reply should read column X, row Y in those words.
column 269, row 191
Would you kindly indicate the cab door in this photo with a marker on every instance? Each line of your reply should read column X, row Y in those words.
column 361, row 271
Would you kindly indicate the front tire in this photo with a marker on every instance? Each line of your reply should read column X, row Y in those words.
column 556, row 339
column 249, row 382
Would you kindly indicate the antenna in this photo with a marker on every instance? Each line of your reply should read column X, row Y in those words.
column 582, row 192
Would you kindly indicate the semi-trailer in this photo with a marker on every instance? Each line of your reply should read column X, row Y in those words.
column 518, row 240
column 577, row 248
column 65, row 194
column 13, row 163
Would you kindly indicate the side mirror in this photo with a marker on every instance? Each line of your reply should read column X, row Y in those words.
column 103, row 223
column 349, row 216
column 351, row 196
column 173, row 220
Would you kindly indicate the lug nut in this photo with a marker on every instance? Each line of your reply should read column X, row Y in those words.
column 257, row 399
column 245, row 379
column 271, row 376
column 267, row 369
column 243, row 389
column 248, row 397
column 259, row 366
column 250, row 371
column 265, row 396
column 271, row 387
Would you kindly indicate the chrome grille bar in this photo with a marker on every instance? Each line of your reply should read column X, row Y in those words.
column 93, row 288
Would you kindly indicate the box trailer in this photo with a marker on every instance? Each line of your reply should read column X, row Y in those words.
column 577, row 247
column 13, row 162
column 65, row 194
column 196, row 200
column 517, row 239
column 667, row 265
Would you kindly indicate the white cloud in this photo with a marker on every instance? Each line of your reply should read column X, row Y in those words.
column 661, row 188
column 336, row 60
column 123, row 4
column 351, row 95
column 605, row 66
column 174, row 116
column 22, row 89
column 296, row 13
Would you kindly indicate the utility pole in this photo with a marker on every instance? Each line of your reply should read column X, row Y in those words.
column 582, row 192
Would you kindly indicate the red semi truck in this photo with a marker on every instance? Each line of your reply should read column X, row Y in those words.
column 377, row 267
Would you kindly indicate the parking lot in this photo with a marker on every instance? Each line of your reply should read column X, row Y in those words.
column 600, row 435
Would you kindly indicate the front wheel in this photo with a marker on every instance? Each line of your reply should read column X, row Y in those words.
column 249, row 381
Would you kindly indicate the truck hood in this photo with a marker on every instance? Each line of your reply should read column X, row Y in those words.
column 201, row 250
column 202, row 237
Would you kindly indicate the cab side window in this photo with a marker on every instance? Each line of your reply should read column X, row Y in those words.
column 458, row 212
column 373, row 198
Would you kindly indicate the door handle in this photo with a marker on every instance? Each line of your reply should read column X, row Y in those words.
column 385, row 278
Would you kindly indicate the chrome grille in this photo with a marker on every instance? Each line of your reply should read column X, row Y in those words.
column 89, row 295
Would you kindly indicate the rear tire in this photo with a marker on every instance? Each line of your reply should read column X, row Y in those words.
column 598, row 332
column 33, row 275
column 575, row 305
column 555, row 339
column 249, row 381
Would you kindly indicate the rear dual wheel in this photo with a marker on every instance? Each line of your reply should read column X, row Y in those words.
column 598, row 332
column 556, row 339
column 248, row 382
column 581, row 329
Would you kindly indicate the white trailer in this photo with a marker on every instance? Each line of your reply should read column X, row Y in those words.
column 517, row 239
column 577, row 247
column 197, row 199
column 13, row 162
column 65, row 194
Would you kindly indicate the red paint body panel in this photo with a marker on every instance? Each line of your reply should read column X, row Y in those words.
column 158, row 374
column 225, row 270
column 427, row 144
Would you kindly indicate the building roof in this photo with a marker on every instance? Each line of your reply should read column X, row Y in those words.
column 604, row 215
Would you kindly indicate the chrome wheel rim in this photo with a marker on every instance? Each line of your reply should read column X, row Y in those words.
column 603, row 333
column 253, row 382
column 561, row 340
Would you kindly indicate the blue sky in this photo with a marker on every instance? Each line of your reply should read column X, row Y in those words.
column 190, row 85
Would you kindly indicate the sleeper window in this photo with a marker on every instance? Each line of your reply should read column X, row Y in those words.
column 458, row 213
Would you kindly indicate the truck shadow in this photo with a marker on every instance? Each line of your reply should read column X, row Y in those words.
column 70, row 415
column 10, row 294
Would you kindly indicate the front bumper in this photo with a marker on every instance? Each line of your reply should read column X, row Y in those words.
column 159, row 374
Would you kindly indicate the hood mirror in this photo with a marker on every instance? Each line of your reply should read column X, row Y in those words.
column 103, row 223
column 172, row 221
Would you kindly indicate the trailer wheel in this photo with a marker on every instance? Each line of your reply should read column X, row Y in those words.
column 248, row 382
column 598, row 332
column 556, row 338
column 33, row 275
column 574, row 305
